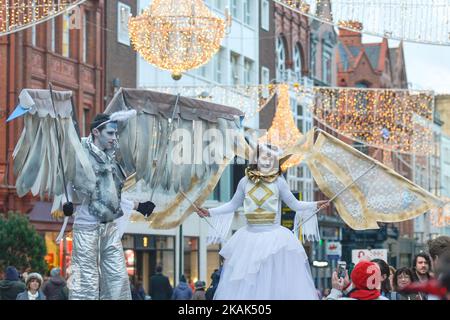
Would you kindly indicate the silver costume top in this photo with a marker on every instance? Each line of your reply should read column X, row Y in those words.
column 104, row 201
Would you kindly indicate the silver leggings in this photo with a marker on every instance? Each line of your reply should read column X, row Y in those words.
column 98, row 269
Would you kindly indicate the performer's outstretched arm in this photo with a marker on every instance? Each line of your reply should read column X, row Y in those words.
column 222, row 216
column 234, row 203
column 290, row 200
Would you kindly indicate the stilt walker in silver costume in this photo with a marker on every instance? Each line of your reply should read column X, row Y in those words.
column 98, row 263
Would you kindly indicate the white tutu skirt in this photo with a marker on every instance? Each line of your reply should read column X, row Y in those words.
column 265, row 263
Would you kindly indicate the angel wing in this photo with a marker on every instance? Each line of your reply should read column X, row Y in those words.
column 188, row 154
column 35, row 156
column 373, row 192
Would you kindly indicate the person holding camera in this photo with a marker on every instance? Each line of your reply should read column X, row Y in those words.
column 365, row 283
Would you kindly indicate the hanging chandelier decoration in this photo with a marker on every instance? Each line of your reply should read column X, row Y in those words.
column 408, row 20
column 176, row 35
column 16, row 15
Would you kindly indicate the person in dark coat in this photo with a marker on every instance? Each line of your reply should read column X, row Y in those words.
column 137, row 291
column 215, row 277
column 33, row 288
column 11, row 286
column 55, row 288
column 199, row 293
column 160, row 288
column 183, row 291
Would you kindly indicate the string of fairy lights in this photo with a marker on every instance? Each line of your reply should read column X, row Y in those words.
column 408, row 20
column 391, row 119
column 16, row 15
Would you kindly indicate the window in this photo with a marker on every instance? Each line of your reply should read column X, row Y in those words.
column 85, row 39
column 446, row 155
column 213, row 261
column 204, row 70
column 235, row 10
column 66, row 36
column 33, row 36
column 313, row 57
column 281, row 58
column 299, row 177
column 85, row 123
column 124, row 13
column 235, row 72
column 297, row 62
column 219, row 4
column 265, row 15
column 248, row 71
column 191, row 259
column 52, row 35
column 361, row 147
column 247, row 12
column 362, row 84
column 218, row 66
column 326, row 66
column 265, row 75
column 265, row 79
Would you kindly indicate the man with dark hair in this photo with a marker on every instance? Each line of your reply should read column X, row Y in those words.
column 160, row 288
column 421, row 267
column 436, row 248
column 98, row 262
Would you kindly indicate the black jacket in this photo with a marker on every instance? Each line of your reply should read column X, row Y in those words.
column 55, row 289
column 160, row 288
column 9, row 289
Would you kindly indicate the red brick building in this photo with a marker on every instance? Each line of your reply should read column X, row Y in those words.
column 292, row 33
column 57, row 52
column 67, row 51
column 369, row 65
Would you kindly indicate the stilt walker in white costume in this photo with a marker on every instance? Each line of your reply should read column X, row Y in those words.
column 265, row 260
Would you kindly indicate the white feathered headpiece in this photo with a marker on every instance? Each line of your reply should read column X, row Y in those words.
column 119, row 116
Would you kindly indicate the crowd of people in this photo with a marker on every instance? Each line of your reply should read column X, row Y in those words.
column 33, row 286
column 427, row 279
column 161, row 289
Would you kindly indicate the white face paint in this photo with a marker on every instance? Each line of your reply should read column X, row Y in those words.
column 267, row 162
column 106, row 139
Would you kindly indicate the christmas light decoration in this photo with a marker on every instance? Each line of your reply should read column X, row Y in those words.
column 394, row 120
column 16, row 15
column 409, row 20
column 283, row 131
column 177, row 35
column 390, row 119
column 440, row 217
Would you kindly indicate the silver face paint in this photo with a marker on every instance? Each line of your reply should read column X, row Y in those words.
column 106, row 139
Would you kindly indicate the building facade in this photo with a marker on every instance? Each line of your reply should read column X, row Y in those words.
column 120, row 58
column 68, row 52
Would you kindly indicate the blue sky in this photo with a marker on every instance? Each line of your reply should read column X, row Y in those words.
column 427, row 66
